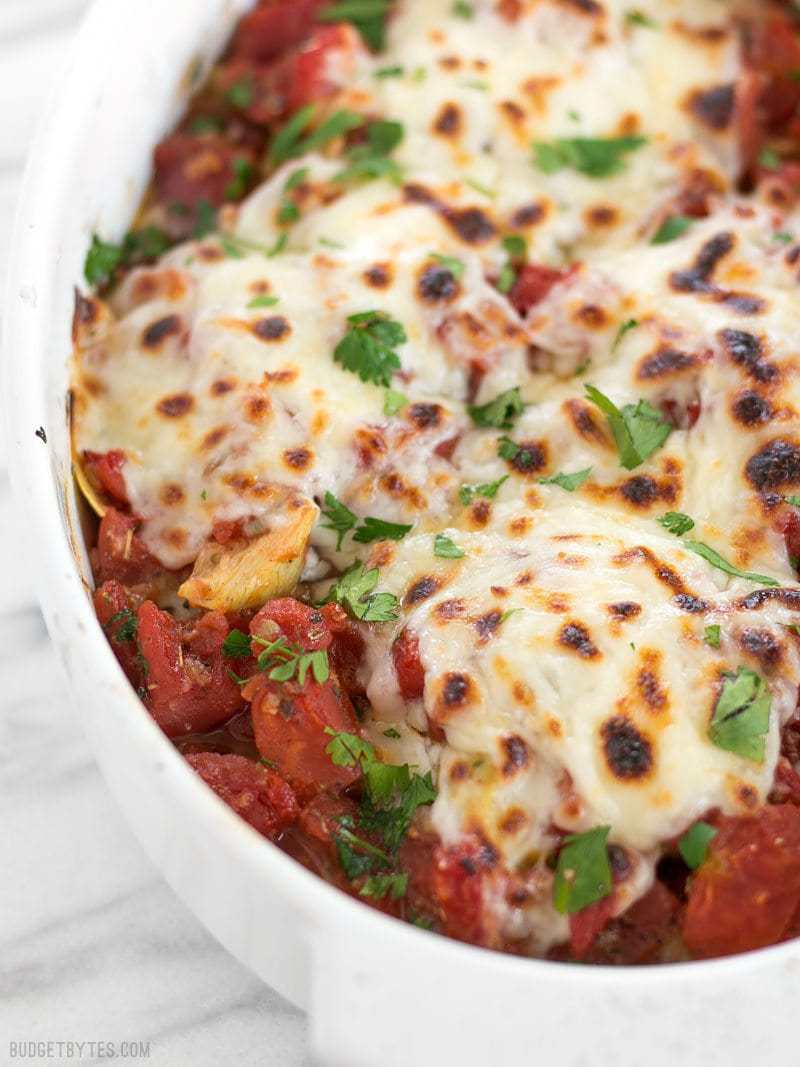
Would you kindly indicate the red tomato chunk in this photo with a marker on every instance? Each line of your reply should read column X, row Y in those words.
column 251, row 789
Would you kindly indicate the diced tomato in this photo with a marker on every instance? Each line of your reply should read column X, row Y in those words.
column 120, row 553
column 408, row 665
column 190, row 169
column 786, row 787
column 273, row 27
column 746, row 893
column 789, row 526
column 290, row 722
column 106, row 470
column 308, row 75
column 241, row 89
column 302, row 625
column 682, row 415
column 459, row 881
column 187, row 681
column 533, row 284
column 586, row 924
column 346, row 651
column 116, row 611
column 251, row 789
column 640, row 933
column 446, row 448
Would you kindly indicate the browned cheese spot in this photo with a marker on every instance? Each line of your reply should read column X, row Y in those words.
column 157, row 332
column 298, row 459
column 222, row 386
column 751, row 409
column 650, row 690
column 747, row 351
column 214, row 437
column 714, row 106
column 516, row 755
column 471, row 224
column 665, row 363
column 591, row 316
column 171, row 494
column 774, row 466
column 449, row 121
column 437, row 284
column 451, row 609
column 176, row 405
column 479, row 513
column 628, row 753
column 421, row 589
column 272, row 328
column 586, row 424
column 601, row 216
column 625, row 609
column 425, row 416
column 512, row 821
column 459, row 771
column 575, row 636
column 699, row 277
column 379, row 275
column 763, row 646
column 256, row 408
column 527, row 215
column 531, row 457
column 487, row 624
column 457, row 692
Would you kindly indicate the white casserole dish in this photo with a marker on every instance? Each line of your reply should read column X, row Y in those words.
column 379, row 992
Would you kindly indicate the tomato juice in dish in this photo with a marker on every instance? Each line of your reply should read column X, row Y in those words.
column 439, row 416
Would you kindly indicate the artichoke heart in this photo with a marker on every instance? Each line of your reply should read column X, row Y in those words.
column 245, row 573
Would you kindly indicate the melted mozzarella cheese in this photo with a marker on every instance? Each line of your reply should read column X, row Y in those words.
column 574, row 624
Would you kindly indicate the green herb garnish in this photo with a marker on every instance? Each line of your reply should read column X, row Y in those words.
column 368, row 347
column 447, row 549
column 638, row 429
column 740, row 721
column 693, row 846
column 583, row 872
column 502, row 412
column 570, row 482
column 597, row 157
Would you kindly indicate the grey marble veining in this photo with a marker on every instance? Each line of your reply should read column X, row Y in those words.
column 93, row 945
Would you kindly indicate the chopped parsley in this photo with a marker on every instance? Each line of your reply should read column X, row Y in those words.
column 502, row 412
column 716, row 560
column 342, row 520
column 452, row 263
column 368, row 347
column 379, row 530
column 372, row 159
column 517, row 249
column 368, row 17
column 693, row 846
column 293, row 140
column 240, row 94
column 392, row 795
column 676, row 522
column 236, row 645
column 634, row 17
column 379, row 886
column 447, row 549
column 354, row 591
column 128, row 626
column 672, row 227
column 281, row 660
column 463, row 10
column 570, row 482
column 206, row 220
column 769, row 159
column 626, row 327
column 523, row 457
column 243, row 171
column 390, row 72
column 138, row 246
column 393, row 402
column 393, row 734
column 596, row 157
column 583, row 872
column 783, row 237
column 740, row 721
column 638, row 429
column 263, row 301
column 712, row 636
column 467, row 493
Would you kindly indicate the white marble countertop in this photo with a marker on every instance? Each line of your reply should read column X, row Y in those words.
column 94, row 947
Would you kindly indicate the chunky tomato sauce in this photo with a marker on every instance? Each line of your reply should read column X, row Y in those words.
column 283, row 753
